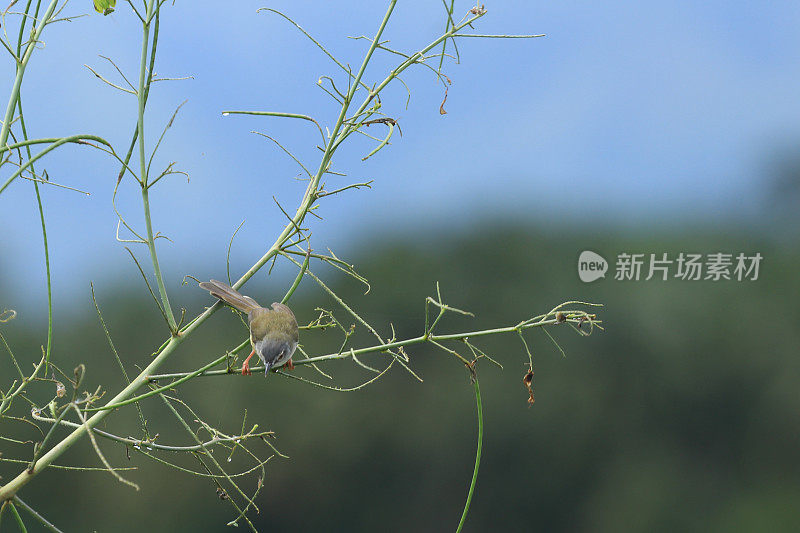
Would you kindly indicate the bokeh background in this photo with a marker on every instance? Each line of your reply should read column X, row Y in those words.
column 630, row 128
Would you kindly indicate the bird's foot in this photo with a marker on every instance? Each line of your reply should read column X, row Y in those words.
column 246, row 368
column 289, row 365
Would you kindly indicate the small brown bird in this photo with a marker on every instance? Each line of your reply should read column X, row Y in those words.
column 273, row 332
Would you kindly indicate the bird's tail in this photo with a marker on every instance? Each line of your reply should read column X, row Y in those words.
column 229, row 295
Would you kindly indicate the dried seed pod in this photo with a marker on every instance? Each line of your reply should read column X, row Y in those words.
column 527, row 380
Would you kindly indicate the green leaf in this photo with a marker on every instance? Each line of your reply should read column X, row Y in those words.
column 106, row 7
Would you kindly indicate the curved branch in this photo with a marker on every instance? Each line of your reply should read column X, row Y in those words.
column 477, row 455
column 58, row 142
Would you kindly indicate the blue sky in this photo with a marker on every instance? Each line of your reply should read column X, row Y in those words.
column 627, row 113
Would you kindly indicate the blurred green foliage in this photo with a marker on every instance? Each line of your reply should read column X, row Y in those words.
column 681, row 416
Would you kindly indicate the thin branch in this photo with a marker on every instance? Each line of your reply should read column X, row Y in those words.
column 304, row 32
column 540, row 321
column 150, row 444
column 290, row 154
column 71, row 139
column 16, row 516
column 216, row 463
column 228, row 256
column 142, row 421
column 158, row 143
column 112, row 84
column 102, row 457
column 54, row 184
column 42, row 520
column 69, row 467
column 299, row 278
column 338, row 389
column 44, row 242
column 484, row 36
column 21, row 65
column 477, row 455
column 323, row 193
column 144, row 84
column 6, row 403
column 146, row 282
column 277, row 114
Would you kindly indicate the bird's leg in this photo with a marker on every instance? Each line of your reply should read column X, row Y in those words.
column 246, row 364
column 289, row 365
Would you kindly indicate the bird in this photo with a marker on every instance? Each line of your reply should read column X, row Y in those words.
column 273, row 332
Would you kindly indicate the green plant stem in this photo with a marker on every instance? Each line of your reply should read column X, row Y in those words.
column 119, row 361
column 47, row 140
column 144, row 83
column 23, row 63
column 404, row 65
column 277, row 114
column 446, row 29
column 150, row 443
column 18, row 518
column 135, row 135
column 44, row 237
column 56, row 144
column 23, row 22
column 6, row 403
column 49, row 285
column 42, row 520
column 8, row 490
column 477, row 456
column 151, row 245
column 298, row 279
column 46, row 438
column 216, row 463
column 310, row 194
column 159, row 390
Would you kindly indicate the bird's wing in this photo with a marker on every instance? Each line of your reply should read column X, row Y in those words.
column 285, row 318
column 259, row 323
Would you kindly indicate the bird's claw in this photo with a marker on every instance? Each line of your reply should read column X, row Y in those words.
column 246, row 369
